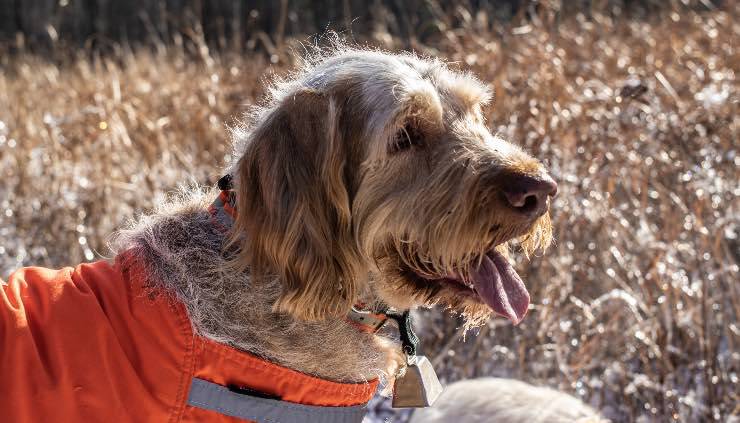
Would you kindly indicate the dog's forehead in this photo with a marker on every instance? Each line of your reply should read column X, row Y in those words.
column 386, row 77
column 381, row 90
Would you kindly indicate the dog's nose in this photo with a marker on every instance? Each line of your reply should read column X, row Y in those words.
column 528, row 194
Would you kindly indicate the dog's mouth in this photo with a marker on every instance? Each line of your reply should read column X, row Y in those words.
column 493, row 282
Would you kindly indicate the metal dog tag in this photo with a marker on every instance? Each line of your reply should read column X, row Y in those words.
column 418, row 387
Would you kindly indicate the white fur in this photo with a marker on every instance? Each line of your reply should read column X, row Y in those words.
column 489, row 400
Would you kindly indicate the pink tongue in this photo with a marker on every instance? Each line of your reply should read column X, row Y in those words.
column 498, row 284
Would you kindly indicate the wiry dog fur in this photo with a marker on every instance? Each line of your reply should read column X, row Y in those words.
column 362, row 176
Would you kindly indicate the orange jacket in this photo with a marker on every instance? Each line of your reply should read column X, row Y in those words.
column 89, row 344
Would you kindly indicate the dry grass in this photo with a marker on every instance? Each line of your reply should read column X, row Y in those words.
column 635, row 306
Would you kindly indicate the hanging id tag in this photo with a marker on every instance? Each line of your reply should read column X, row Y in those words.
column 418, row 387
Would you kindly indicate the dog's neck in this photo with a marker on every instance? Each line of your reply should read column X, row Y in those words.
column 181, row 251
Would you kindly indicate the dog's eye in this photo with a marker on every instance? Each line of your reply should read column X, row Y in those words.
column 405, row 138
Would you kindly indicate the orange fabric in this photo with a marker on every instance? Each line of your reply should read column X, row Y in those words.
column 92, row 344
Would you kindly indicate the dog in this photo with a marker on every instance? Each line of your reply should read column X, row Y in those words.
column 505, row 400
column 365, row 182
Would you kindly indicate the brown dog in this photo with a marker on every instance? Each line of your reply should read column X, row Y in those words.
column 365, row 176
column 366, row 179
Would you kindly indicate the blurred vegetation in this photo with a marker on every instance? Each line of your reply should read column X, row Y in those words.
column 264, row 24
column 634, row 108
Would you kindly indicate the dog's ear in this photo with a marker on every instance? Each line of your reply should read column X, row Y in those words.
column 294, row 220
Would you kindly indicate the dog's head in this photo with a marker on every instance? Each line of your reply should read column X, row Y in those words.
column 368, row 169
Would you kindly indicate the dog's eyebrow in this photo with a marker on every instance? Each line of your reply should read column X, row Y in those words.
column 468, row 93
column 462, row 87
column 472, row 91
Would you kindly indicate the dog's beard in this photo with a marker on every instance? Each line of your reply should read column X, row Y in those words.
column 538, row 237
column 475, row 282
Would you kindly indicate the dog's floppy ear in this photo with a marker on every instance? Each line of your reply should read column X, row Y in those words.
column 294, row 220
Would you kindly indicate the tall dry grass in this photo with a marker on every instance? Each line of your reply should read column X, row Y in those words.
column 635, row 306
